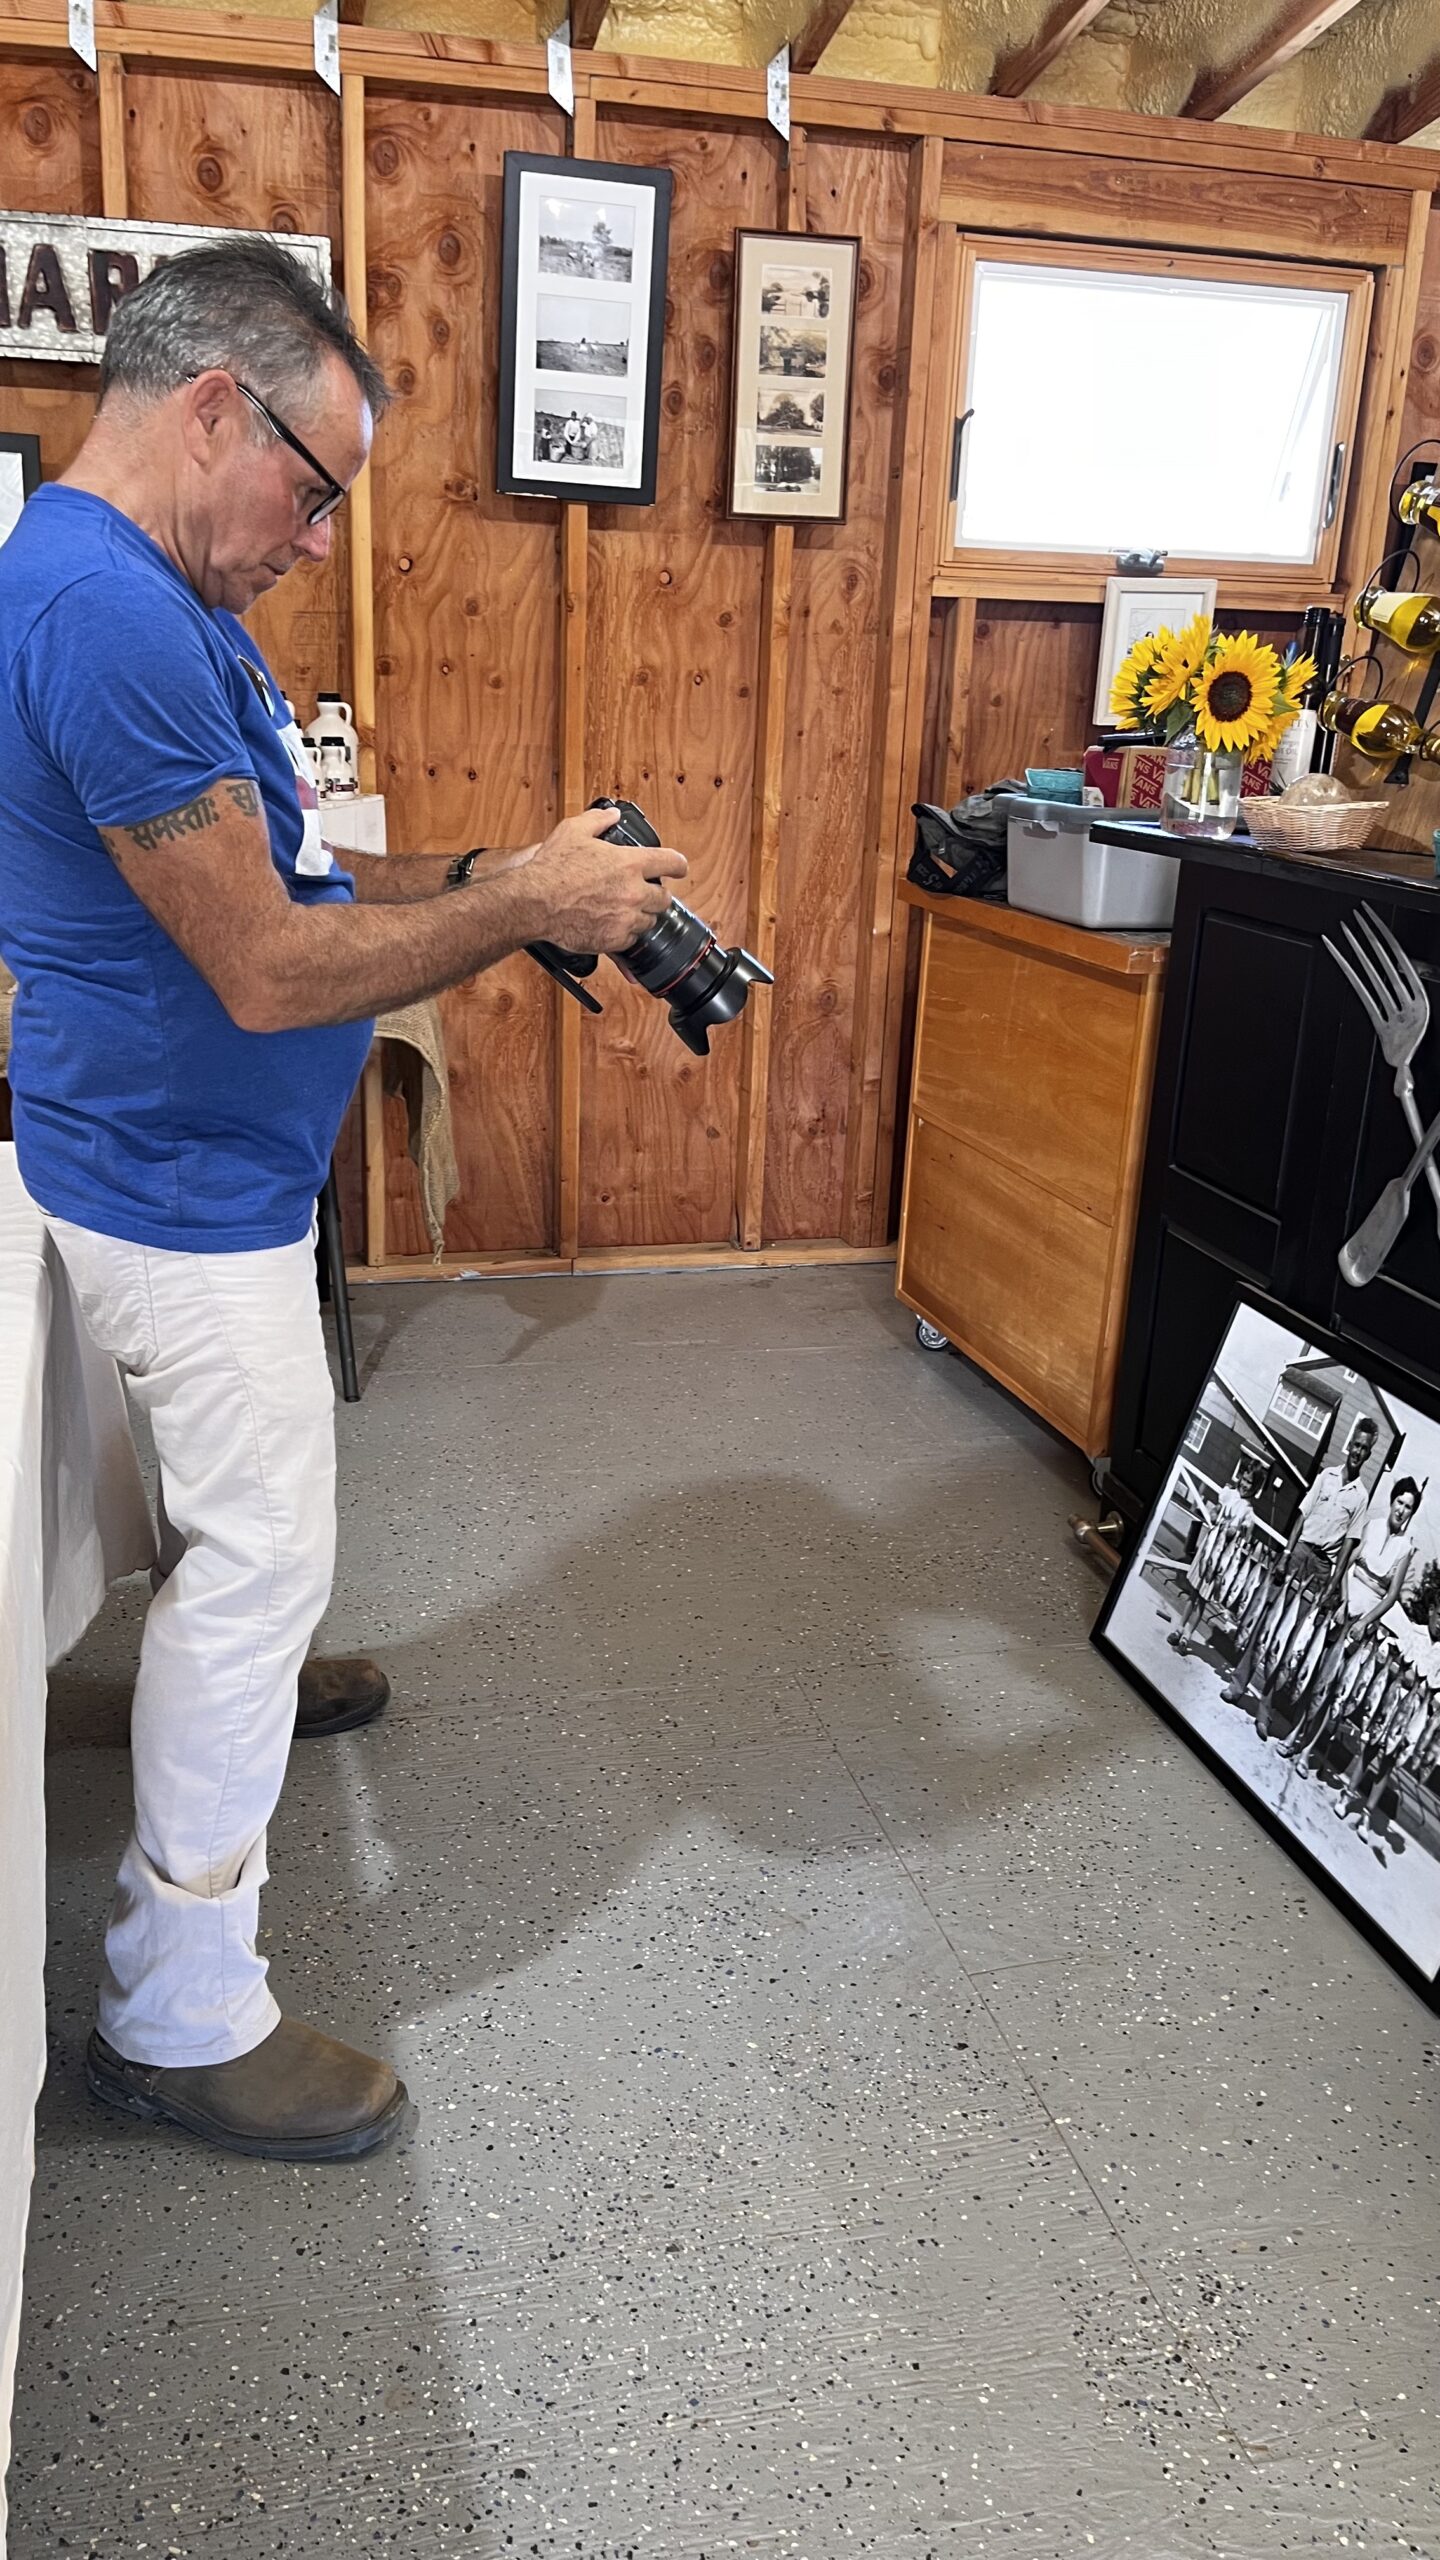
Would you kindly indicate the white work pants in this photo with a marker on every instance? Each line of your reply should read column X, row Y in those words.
column 224, row 1353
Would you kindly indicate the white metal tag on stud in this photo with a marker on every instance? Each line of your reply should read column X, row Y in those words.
column 777, row 91
column 327, row 44
column 82, row 30
column 561, row 68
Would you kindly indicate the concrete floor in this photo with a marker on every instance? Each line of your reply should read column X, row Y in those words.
column 879, row 2094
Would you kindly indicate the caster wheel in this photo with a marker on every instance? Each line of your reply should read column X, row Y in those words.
column 930, row 1337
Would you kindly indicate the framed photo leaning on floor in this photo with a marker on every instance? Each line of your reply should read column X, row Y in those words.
column 1281, row 1607
column 795, row 297
column 582, row 329
column 19, row 476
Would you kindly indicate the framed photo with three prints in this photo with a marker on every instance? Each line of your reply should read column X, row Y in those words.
column 582, row 329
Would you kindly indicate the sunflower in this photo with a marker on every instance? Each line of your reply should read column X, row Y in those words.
column 1295, row 675
column 1235, row 692
column 1129, row 707
column 1181, row 656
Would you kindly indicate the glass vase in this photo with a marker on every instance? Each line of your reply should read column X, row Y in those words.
column 1201, row 791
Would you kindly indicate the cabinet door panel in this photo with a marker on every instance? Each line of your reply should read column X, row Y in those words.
column 1030, row 1058
column 1247, row 1017
column 1016, row 1277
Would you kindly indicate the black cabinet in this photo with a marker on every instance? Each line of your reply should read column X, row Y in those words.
column 1273, row 1128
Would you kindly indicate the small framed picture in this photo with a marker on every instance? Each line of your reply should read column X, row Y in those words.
column 1281, row 1606
column 795, row 296
column 19, row 476
column 1134, row 608
column 582, row 328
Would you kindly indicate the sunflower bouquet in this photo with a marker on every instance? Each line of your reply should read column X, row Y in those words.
column 1233, row 690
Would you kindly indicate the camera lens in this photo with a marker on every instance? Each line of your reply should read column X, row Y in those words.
column 703, row 983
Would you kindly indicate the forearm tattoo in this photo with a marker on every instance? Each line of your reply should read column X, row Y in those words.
column 245, row 797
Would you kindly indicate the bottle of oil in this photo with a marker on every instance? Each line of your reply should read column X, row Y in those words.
column 1295, row 748
column 1420, row 503
column 1411, row 621
column 1379, row 729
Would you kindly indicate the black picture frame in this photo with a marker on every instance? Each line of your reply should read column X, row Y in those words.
column 1243, row 1752
column 612, row 393
column 25, row 449
column 768, row 415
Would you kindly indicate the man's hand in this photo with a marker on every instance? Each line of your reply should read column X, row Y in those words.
column 596, row 896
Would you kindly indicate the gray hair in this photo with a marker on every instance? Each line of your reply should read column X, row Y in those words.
column 246, row 305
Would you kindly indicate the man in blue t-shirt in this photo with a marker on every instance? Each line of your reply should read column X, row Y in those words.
column 197, row 980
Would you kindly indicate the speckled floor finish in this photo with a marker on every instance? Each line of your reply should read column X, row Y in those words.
column 878, row 2094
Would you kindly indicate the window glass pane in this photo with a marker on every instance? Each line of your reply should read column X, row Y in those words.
column 1148, row 413
column 1304, row 1413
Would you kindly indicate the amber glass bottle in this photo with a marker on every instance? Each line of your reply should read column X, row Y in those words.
column 1411, row 621
column 1420, row 503
column 1379, row 729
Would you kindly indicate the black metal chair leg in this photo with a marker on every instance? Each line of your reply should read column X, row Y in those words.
column 333, row 1243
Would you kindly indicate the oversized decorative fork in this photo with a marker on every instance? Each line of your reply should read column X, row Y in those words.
column 1392, row 992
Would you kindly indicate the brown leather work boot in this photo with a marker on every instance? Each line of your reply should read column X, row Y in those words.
column 298, row 2096
column 337, row 1696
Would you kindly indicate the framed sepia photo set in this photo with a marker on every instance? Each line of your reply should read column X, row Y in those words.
column 19, row 478
column 1281, row 1606
column 582, row 326
column 795, row 296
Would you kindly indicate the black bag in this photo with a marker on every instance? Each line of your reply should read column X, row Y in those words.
column 960, row 852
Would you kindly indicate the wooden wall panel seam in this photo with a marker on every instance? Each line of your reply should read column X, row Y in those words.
column 114, row 177
column 772, row 694
column 892, row 779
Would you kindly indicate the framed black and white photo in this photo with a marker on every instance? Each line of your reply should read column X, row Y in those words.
column 582, row 327
column 1136, row 607
column 19, row 475
column 795, row 299
column 1282, row 1607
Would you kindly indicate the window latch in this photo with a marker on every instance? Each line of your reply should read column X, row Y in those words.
column 957, row 447
column 1332, row 494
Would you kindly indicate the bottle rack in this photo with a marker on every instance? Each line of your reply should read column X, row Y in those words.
column 1407, row 546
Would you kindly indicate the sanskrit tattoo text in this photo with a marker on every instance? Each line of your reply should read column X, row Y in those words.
column 192, row 820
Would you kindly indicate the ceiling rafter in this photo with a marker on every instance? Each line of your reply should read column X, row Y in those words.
column 822, row 25
column 1013, row 74
column 1299, row 25
column 352, row 13
column 1407, row 111
column 586, row 20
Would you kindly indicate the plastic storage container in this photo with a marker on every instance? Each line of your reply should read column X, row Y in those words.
column 1054, row 869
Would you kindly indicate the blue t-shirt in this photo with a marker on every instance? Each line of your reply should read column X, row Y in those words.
column 140, row 1109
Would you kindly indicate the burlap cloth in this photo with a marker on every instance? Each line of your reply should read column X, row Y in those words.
column 416, row 1069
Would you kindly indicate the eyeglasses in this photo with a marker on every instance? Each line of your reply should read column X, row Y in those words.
column 334, row 495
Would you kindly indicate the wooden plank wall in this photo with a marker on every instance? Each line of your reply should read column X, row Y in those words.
column 1417, row 810
column 671, row 679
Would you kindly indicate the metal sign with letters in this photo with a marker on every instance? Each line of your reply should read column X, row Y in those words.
column 61, row 275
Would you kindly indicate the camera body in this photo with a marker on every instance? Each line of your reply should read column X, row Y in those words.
column 679, row 958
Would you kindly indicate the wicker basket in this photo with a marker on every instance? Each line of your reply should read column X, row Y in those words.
column 1322, row 828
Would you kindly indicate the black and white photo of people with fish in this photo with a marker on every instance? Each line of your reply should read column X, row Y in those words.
column 1285, row 1602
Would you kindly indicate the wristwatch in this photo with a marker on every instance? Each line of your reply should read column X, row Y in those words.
column 462, row 866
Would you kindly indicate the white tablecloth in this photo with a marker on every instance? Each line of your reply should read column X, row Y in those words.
column 72, row 1516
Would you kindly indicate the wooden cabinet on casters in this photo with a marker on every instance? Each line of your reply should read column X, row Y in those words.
column 1034, row 1053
